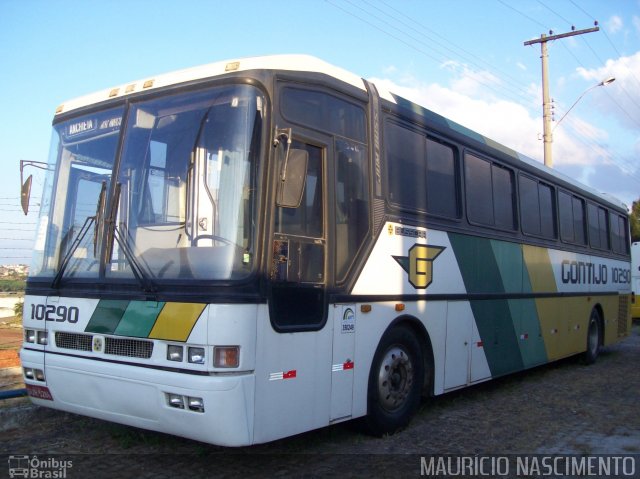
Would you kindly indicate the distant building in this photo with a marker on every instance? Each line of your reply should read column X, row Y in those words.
column 12, row 270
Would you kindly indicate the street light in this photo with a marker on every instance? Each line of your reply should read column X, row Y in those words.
column 604, row 82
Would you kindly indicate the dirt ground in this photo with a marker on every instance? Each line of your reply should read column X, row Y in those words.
column 562, row 408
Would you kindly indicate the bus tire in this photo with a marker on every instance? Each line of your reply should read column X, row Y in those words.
column 594, row 338
column 395, row 382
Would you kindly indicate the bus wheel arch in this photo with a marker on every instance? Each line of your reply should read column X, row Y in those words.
column 401, row 371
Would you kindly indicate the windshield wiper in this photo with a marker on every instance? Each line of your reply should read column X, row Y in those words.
column 114, row 233
column 74, row 246
column 97, row 219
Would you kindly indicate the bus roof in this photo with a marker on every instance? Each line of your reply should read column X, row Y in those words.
column 301, row 63
column 307, row 63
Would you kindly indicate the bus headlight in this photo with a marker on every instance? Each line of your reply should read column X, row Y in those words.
column 195, row 404
column 175, row 352
column 42, row 337
column 196, row 355
column 175, row 400
column 226, row 356
column 30, row 335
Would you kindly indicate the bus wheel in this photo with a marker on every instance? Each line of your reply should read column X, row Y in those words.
column 395, row 382
column 593, row 338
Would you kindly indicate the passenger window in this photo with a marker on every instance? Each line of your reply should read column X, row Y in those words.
column 442, row 184
column 422, row 173
column 406, row 168
column 489, row 188
column 619, row 233
column 537, row 208
column 598, row 227
column 572, row 220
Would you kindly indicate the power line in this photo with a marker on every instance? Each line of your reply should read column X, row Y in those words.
column 582, row 9
column 466, row 55
column 523, row 14
column 555, row 13
column 420, row 38
column 419, row 46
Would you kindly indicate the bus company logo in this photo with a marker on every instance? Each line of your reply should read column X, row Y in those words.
column 97, row 344
column 32, row 466
column 419, row 264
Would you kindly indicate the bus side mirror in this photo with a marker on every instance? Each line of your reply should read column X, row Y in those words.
column 25, row 194
column 292, row 178
column 25, row 188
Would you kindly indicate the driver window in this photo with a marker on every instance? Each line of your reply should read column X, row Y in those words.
column 306, row 220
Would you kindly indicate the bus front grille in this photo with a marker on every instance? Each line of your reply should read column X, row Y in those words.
column 79, row 342
column 132, row 348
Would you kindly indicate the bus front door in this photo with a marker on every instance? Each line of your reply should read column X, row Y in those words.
column 344, row 324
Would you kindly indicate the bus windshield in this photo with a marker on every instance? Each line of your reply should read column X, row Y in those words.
column 164, row 189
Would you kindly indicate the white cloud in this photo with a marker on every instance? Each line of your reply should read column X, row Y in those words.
column 614, row 24
column 622, row 98
column 389, row 70
column 506, row 122
column 514, row 125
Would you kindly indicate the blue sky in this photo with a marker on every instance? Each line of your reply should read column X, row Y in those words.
column 464, row 59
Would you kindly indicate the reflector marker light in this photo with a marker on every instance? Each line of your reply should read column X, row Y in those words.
column 283, row 375
column 347, row 365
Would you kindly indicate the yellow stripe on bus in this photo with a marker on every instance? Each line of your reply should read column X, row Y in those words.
column 539, row 268
column 176, row 321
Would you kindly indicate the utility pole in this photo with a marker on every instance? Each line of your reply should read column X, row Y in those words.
column 546, row 102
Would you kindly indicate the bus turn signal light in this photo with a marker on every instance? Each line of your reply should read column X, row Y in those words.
column 226, row 356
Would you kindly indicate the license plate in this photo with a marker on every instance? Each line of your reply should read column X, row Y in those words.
column 39, row 392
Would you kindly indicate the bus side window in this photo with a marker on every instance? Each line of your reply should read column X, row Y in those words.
column 352, row 203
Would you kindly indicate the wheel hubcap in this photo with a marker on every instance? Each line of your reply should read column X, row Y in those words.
column 395, row 379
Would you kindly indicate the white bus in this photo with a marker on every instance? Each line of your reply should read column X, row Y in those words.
column 251, row 249
column 635, row 279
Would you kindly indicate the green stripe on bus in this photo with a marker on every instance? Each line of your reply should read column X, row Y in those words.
column 477, row 264
column 528, row 333
column 508, row 258
column 496, row 328
column 524, row 314
column 533, row 349
column 482, row 265
column 139, row 318
column 106, row 316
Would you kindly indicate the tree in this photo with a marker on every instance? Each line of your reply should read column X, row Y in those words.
column 634, row 221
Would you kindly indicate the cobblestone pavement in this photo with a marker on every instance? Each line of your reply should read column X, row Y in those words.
column 561, row 408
